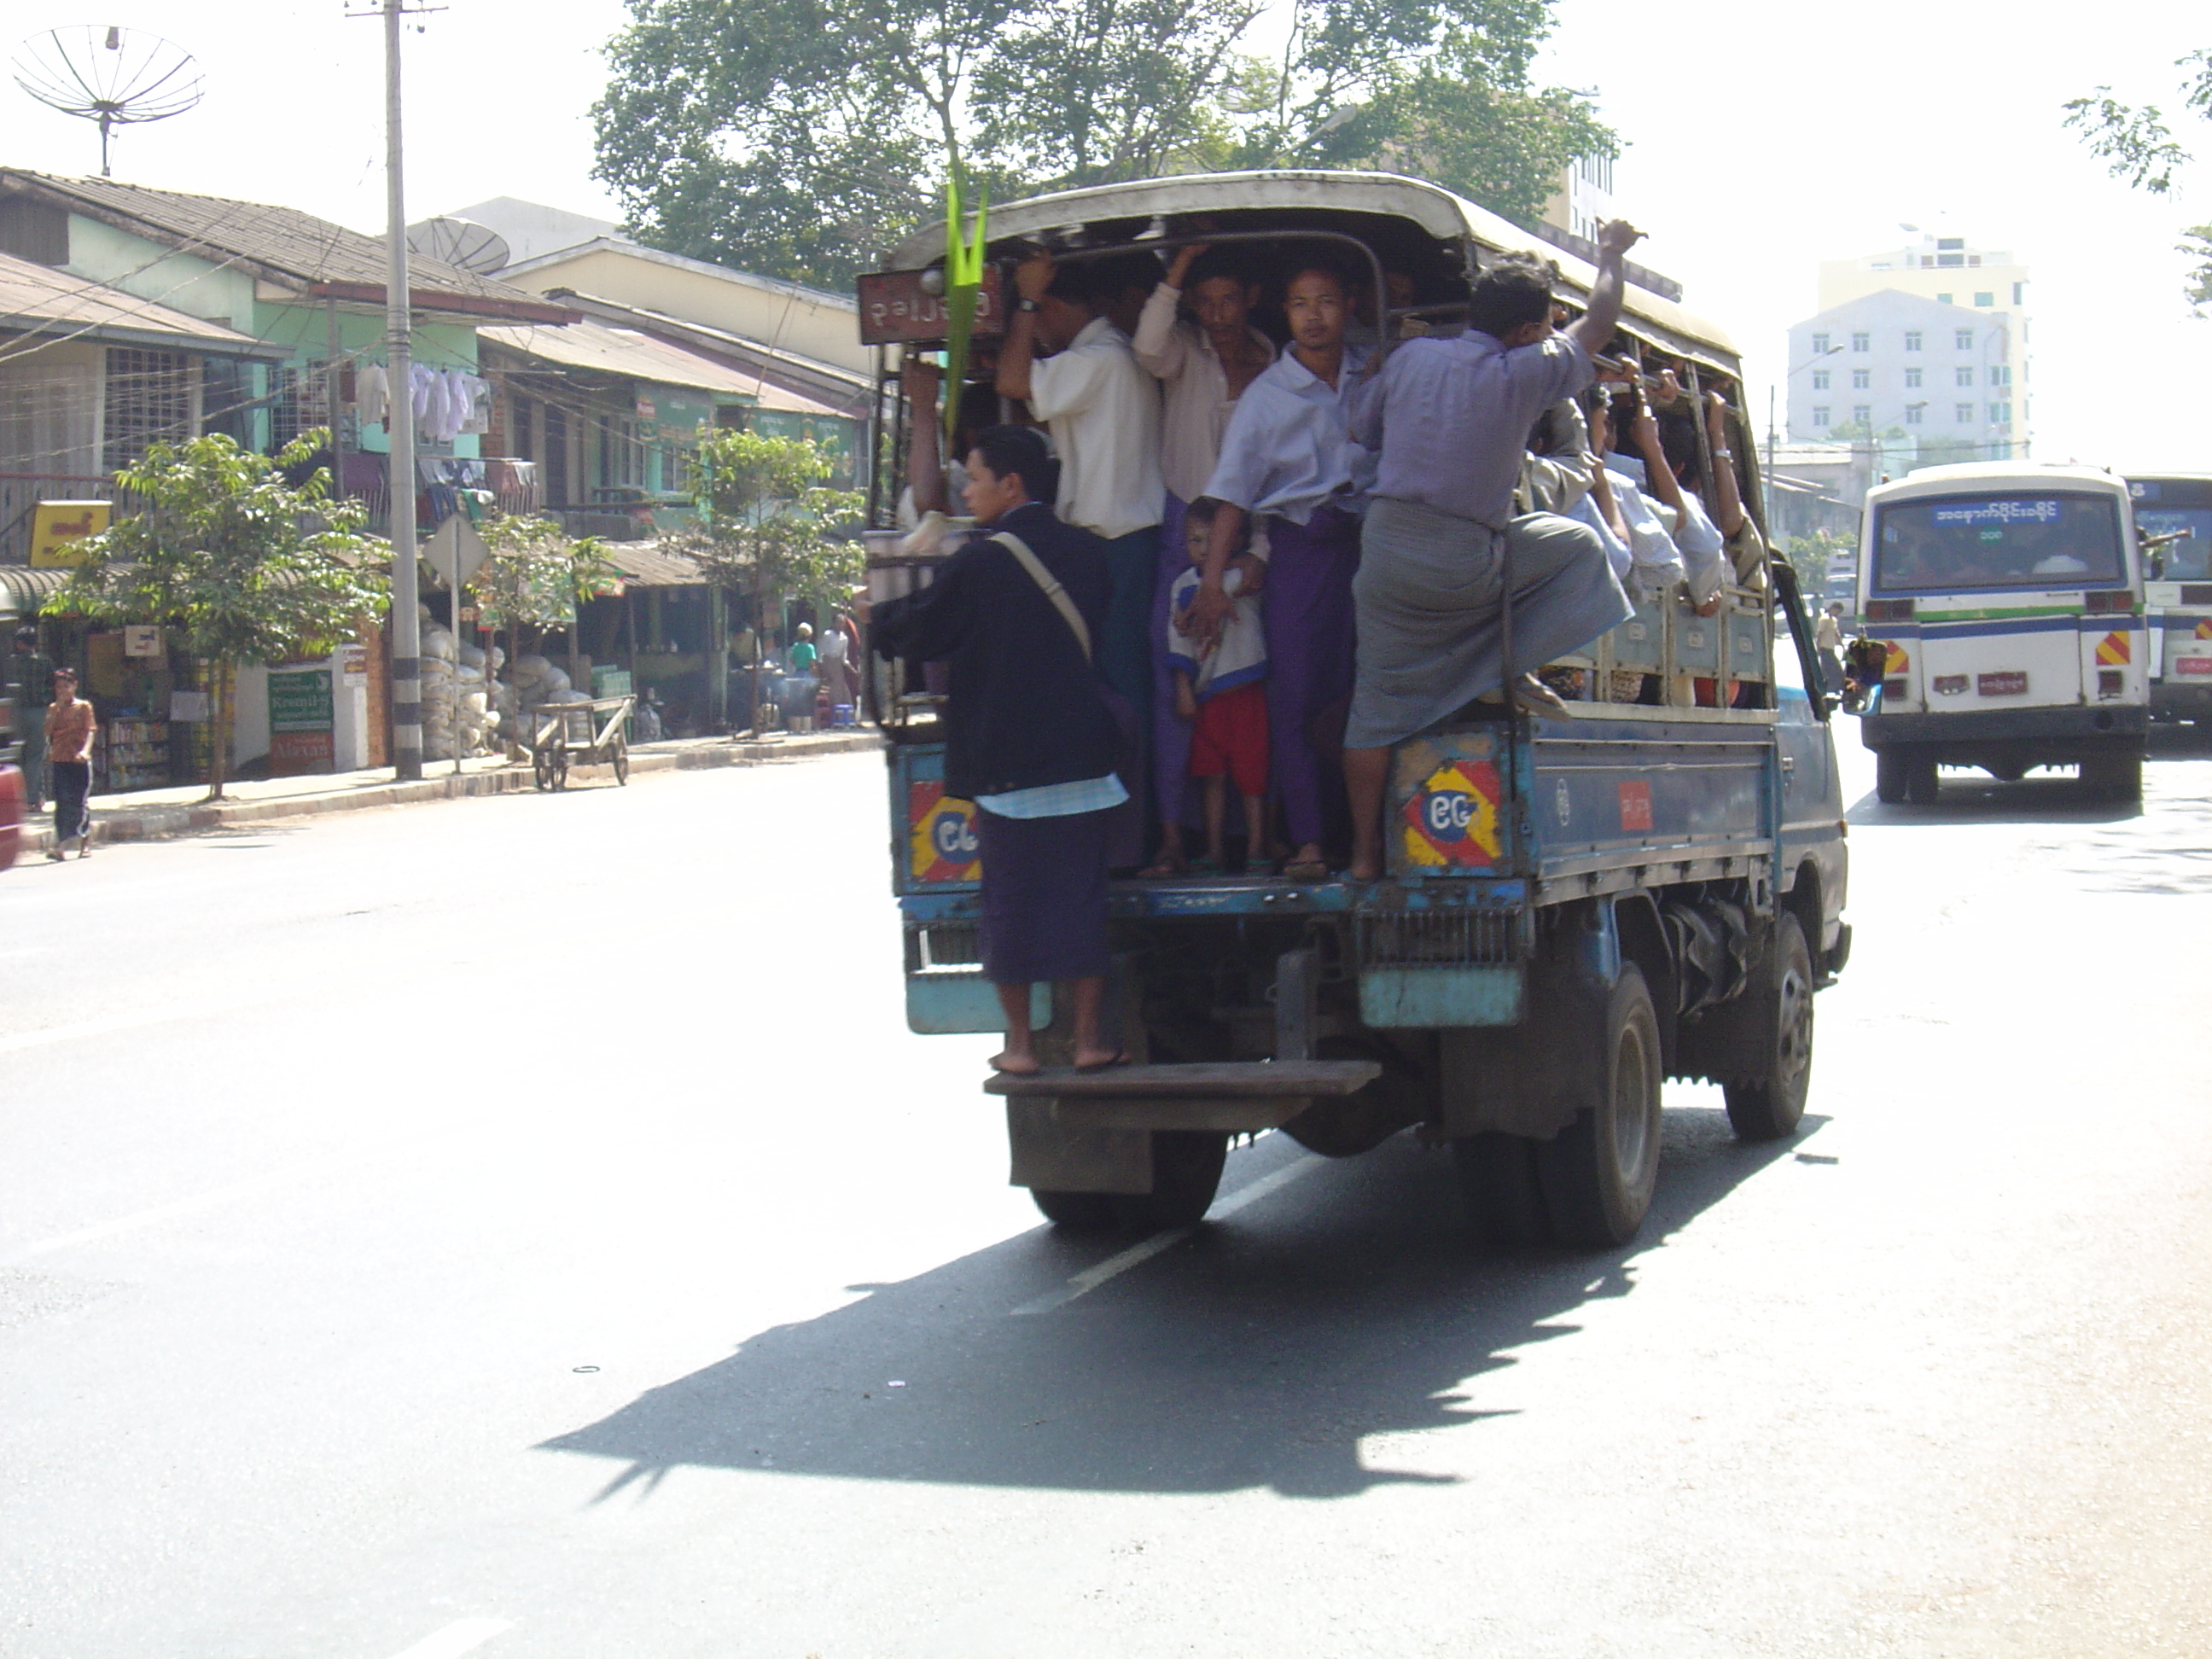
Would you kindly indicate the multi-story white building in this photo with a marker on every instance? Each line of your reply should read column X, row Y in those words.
column 1945, row 269
column 1889, row 366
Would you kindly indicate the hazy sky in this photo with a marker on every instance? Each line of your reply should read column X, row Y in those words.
column 1761, row 139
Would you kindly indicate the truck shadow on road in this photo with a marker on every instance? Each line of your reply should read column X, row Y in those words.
column 1976, row 799
column 1258, row 1353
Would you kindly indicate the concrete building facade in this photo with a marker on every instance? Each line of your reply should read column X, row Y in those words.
column 1939, row 381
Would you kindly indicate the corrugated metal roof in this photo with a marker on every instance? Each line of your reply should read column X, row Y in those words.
column 23, row 590
column 39, row 300
column 653, row 564
column 280, row 241
column 640, row 356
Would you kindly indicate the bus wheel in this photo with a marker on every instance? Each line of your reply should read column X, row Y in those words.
column 1497, row 1183
column 2114, row 777
column 1921, row 785
column 1768, row 1106
column 1598, row 1173
column 1891, row 767
column 1079, row 1212
column 1186, row 1173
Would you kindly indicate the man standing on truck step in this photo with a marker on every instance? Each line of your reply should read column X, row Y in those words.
column 1029, row 736
column 1449, row 420
column 1103, row 413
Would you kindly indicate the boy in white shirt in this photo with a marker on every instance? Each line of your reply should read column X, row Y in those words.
column 1220, row 690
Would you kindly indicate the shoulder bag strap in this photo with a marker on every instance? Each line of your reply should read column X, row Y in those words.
column 1050, row 583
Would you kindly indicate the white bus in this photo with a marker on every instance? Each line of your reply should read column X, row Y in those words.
column 2010, row 598
column 2174, row 515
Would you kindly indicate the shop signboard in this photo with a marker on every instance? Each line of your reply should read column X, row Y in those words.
column 57, row 527
column 300, row 721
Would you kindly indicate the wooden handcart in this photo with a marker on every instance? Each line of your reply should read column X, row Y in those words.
column 565, row 734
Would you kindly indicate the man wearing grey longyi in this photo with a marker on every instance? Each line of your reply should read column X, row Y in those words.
column 1449, row 420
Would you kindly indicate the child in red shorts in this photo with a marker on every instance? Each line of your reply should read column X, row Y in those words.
column 1219, row 691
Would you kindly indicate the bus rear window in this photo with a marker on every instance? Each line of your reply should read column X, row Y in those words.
column 2189, row 555
column 1960, row 543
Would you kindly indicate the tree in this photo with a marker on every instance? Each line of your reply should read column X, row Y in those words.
column 800, row 136
column 533, row 574
column 240, row 565
column 1810, row 557
column 768, row 527
column 2136, row 144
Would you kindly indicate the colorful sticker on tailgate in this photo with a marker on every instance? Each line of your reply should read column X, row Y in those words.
column 941, row 834
column 1452, row 818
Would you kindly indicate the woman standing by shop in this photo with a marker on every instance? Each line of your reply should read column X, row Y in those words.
column 71, row 726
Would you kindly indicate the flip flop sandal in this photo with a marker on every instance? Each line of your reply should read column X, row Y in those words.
column 1305, row 870
column 1121, row 1058
column 1207, row 867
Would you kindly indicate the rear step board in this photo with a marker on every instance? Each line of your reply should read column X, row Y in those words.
column 1211, row 1081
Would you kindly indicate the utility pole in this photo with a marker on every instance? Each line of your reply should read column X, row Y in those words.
column 406, row 625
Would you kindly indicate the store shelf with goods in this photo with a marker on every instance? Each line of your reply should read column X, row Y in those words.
column 138, row 754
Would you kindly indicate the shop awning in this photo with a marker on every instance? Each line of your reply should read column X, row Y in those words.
column 653, row 564
column 23, row 590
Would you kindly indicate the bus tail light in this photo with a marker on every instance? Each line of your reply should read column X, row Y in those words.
column 2110, row 602
column 2108, row 682
column 1889, row 610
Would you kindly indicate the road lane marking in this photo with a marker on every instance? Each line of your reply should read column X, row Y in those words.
column 1144, row 1249
column 463, row 1636
column 106, row 1025
column 159, row 1212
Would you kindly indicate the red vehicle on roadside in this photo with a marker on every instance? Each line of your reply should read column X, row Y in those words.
column 11, row 813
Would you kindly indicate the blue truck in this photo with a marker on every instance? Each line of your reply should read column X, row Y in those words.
column 1575, row 909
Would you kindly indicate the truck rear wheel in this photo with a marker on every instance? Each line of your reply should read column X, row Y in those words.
column 1187, row 1166
column 1079, row 1212
column 1497, row 1183
column 1598, row 1173
column 1186, row 1174
column 1890, row 772
column 1768, row 1106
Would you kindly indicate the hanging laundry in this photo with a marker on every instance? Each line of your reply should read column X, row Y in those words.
column 373, row 393
column 478, row 391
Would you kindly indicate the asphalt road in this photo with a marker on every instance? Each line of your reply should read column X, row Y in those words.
column 522, row 1228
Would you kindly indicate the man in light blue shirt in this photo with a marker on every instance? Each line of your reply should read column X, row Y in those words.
column 1289, row 462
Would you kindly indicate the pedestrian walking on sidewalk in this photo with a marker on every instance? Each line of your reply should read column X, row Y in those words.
column 71, row 726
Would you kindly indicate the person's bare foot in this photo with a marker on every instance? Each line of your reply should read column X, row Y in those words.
column 1099, row 1057
column 1365, row 872
column 1014, row 1065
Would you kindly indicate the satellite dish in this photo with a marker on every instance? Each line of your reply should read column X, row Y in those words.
column 461, row 242
column 115, row 76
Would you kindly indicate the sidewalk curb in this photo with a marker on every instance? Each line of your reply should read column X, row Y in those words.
column 162, row 823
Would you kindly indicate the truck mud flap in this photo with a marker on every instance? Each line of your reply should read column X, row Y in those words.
column 1441, row 998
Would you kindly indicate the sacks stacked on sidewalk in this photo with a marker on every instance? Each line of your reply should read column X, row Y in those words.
column 537, row 682
column 440, row 693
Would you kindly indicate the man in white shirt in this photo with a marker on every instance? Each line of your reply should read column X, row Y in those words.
column 1103, row 413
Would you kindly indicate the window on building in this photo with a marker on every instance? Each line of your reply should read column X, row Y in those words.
column 621, row 457
column 1912, row 339
column 1819, row 379
column 2000, row 414
column 1862, row 378
column 1861, row 342
column 1985, row 299
column 2000, row 374
column 1912, row 377
column 299, row 402
column 1942, row 299
column 149, row 400
column 1962, row 376
column 1963, row 338
column 1862, row 413
column 2019, row 294
column 1820, row 346
column 1820, row 416
column 1950, row 244
column 1912, row 413
column 1964, row 413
